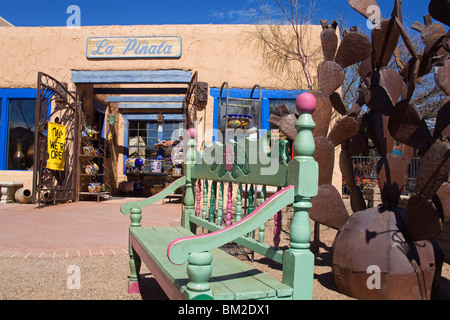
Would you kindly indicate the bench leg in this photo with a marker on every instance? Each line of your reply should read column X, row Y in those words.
column 135, row 267
column 199, row 270
column 298, row 272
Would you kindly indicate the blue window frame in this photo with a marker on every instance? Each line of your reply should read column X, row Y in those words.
column 143, row 128
column 270, row 100
column 17, row 122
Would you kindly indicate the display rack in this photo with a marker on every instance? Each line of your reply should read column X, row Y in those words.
column 95, row 158
column 239, row 117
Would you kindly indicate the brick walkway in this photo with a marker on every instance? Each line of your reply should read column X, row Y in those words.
column 81, row 229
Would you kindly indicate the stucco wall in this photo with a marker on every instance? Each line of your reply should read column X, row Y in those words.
column 218, row 52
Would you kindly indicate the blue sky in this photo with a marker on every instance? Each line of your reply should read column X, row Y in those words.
column 115, row 12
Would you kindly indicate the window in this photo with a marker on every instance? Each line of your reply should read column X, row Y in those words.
column 17, row 126
column 270, row 100
column 141, row 134
column 243, row 108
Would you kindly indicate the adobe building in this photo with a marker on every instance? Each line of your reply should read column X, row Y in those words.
column 130, row 83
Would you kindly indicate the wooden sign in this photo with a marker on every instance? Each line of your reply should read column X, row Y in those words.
column 133, row 47
column 56, row 146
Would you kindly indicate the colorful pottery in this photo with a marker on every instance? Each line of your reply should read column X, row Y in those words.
column 156, row 166
column 238, row 121
column 88, row 150
column 91, row 169
column 233, row 121
column 246, row 121
column 94, row 187
column 98, row 153
column 139, row 162
column 129, row 163
column 176, row 170
column 109, row 136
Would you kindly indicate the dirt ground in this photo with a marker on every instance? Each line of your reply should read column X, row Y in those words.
column 105, row 277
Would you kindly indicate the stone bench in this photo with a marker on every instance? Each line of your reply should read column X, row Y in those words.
column 7, row 191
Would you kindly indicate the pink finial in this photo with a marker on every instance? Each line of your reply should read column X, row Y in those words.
column 192, row 133
column 306, row 103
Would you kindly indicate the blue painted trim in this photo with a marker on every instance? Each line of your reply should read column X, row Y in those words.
column 266, row 93
column 152, row 117
column 125, row 143
column 143, row 91
column 5, row 96
column 4, row 119
column 151, row 106
column 19, row 93
column 146, row 99
column 130, row 76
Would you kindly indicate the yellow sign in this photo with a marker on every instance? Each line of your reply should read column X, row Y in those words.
column 56, row 143
column 133, row 47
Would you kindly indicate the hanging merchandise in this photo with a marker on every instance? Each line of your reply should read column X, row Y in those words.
column 112, row 119
column 109, row 136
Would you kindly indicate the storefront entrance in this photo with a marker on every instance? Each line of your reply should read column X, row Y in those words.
column 55, row 142
column 121, row 129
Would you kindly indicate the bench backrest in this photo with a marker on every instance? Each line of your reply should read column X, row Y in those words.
column 223, row 183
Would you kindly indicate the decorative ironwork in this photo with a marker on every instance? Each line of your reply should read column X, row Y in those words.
column 56, row 104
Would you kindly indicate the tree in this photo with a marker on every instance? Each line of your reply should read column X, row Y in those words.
column 285, row 40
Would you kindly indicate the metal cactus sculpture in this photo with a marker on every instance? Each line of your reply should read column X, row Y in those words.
column 398, row 242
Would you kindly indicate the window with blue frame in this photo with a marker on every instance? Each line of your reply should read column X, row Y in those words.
column 17, row 127
column 141, row 135
column 271, row 99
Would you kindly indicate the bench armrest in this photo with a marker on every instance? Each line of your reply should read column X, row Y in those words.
column 126, row 207
column 179, row 249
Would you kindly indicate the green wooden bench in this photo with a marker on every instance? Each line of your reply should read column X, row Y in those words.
column 191, row 266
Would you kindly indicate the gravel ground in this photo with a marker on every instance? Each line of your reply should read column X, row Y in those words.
column 105, row 277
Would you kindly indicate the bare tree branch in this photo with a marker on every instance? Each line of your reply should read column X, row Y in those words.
column 285, row 44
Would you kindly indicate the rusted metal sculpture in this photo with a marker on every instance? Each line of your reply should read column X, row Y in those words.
column 399, row 242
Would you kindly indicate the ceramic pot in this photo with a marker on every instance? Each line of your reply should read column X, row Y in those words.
column 92, row 169
column 160, row 153
column 23, row 196
column 139, row 162
column 156, row 166
column 94, row 187
column 176, row 170
column 18, row 159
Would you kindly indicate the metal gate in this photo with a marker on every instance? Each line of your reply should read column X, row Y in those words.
column 57, row 105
